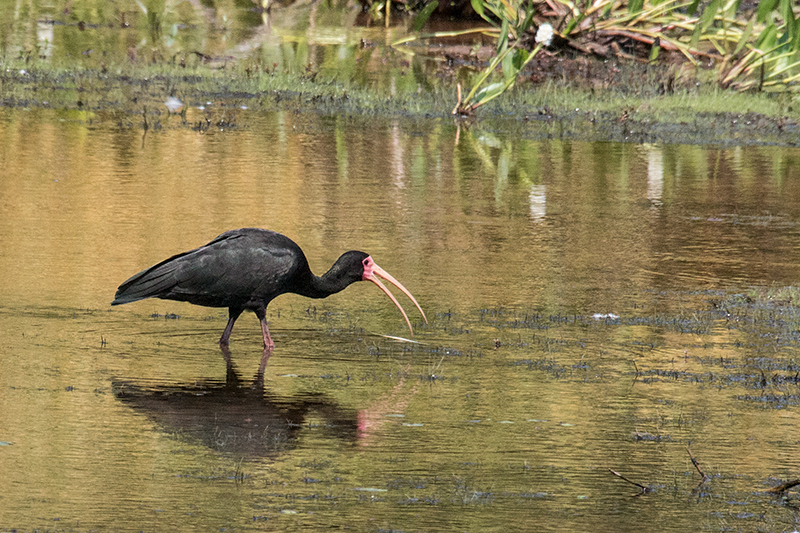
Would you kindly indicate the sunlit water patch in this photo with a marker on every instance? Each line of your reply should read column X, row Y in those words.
column 592, row 307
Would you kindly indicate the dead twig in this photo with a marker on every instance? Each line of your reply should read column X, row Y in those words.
column 617, row 50
column 623, row 478
column 587, row 47
column 646, row 39
column 697, row 466
column 783, row 487
column 457, row 108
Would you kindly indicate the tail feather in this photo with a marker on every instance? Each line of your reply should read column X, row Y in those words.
column 163, row 280
column 153, row 282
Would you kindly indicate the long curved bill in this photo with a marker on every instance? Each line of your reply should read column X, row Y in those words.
column 379, row 272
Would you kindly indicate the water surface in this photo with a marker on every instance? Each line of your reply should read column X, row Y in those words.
column 590, row 305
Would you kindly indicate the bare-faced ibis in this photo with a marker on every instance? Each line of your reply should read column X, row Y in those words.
column 246, row 269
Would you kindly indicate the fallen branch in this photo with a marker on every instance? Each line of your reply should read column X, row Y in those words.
column 648, row 40
column 623, row 478
column 783, row 487
column 617, row 50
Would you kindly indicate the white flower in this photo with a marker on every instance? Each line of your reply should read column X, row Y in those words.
column 544, row 34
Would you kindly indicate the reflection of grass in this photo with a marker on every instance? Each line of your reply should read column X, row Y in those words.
column 743, row 341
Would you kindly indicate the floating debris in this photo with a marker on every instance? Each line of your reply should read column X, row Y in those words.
column 401, row 339
column 605, row 316
column 648, row 437
column 173, row 104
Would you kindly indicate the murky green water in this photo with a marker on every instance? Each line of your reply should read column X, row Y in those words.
column 583, row 317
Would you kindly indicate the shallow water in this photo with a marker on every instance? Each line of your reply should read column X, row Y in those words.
column 583, row 317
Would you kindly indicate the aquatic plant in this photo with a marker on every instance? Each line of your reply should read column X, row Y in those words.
column 510, row 23
column 756, row 49
column 515, row 20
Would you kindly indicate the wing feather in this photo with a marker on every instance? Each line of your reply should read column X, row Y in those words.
column 236, row 269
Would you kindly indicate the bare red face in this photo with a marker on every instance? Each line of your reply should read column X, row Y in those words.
column 372, row 272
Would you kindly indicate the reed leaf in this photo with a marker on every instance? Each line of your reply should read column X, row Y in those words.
column 765, row 7
column 424, row 14
column 745, row 36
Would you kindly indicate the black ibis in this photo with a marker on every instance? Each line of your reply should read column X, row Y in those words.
column 246, row 269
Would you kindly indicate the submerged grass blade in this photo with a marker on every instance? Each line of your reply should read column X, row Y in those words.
column 442, row 34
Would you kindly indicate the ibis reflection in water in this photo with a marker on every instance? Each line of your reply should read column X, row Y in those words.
column 234, row 416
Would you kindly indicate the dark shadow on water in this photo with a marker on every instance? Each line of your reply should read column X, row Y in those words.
column 236, row 417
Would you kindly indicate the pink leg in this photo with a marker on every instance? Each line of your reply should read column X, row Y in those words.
column 233, row 314
column 262, row 317
column 268, row 344
column 226, row 335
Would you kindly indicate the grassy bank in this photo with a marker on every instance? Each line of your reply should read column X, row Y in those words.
column 631, row 106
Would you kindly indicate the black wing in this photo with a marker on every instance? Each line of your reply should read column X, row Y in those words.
column 239, row 268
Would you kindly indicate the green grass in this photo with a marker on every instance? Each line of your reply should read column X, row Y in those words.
column 630, row 110
column 679, row 106
column 132, row 87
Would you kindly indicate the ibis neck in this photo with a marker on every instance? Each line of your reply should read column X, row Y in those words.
column 346, row 270
column 323, row 286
